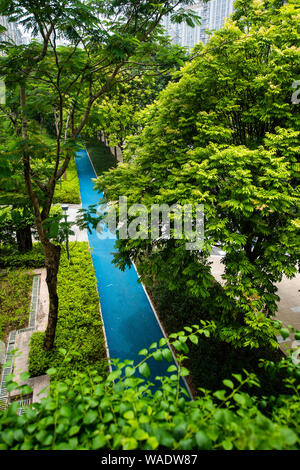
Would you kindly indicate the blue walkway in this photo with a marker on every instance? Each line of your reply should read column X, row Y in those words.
column 129, row 321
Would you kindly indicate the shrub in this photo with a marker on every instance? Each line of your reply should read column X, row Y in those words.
column 69, row 192
column 10, row 257
column 122, row 411
column 15, row 289
column 79, row 327
column 175, row 310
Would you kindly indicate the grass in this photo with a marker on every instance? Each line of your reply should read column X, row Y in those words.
column 100, row 155
column 15, row 291
column 69, row 191
column 79, row 332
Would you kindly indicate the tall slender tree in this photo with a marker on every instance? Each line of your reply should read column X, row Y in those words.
column 107, row 42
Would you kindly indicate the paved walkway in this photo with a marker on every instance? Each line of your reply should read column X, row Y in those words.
column 288, row 291
column 72, row 214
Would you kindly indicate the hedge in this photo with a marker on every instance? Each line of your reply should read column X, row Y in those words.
column 69, row 192
column 121, row 411
column 15, row 290
column 9, row 257
column 79, row 327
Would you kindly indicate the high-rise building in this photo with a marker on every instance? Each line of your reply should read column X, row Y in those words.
column 12, row 31
column 212, row 14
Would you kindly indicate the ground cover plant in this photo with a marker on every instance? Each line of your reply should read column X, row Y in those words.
column 67, row 188
column 121, row 411
column 15, row 294
column 15, row 291
column 79, row 326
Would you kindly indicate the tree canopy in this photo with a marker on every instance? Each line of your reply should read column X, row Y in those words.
column 225, row 134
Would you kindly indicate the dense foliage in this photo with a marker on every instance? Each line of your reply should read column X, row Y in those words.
column 15, row 288
column 122, row 411
column 79, row 326
column 52, row 89
column 10, row 258
column 224, row 134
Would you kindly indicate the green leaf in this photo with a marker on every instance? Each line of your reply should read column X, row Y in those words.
column 285, row 333
column 19, row 435
column 202, row 440
column 129, row 371
column 51, row 371
column 184, row 372
column 24, row 376
column 289, row 436
column 74, row 430
column 65, row 411
column 240, row 399
column 144, row 370
column 227, row 445
column 180, row 431
column 98, row 442
column 228, row 383
column 129, row 414
column 90, row 417
column 194, row 339
column 129, row 443
column 167, row 355
column 143, row 352
column 152, row 442
column 158, row 355
column 107, row 417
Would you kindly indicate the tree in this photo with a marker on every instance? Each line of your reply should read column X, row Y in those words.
column 107, row 41
column 225, row 135
column 118, row 114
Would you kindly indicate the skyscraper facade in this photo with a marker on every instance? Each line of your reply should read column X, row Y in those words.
column 213, row 15
column 12, row 31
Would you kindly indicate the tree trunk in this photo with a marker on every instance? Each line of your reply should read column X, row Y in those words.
column 52, row 257
column 24, row 239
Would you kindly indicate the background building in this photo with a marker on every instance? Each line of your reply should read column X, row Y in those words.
column 213, row 15
column 12, row 31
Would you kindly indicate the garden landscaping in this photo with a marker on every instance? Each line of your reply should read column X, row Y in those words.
column 79, row 327
column 67, row 188
column 15, row 290
column 198, row 352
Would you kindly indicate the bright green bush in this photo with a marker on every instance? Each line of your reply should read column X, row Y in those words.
column 15, row 289
column 79, row 327
column 121, row 411
column 9, row 257
column 69, row 192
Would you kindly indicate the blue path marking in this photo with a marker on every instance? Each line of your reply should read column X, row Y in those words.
column 129, row 321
